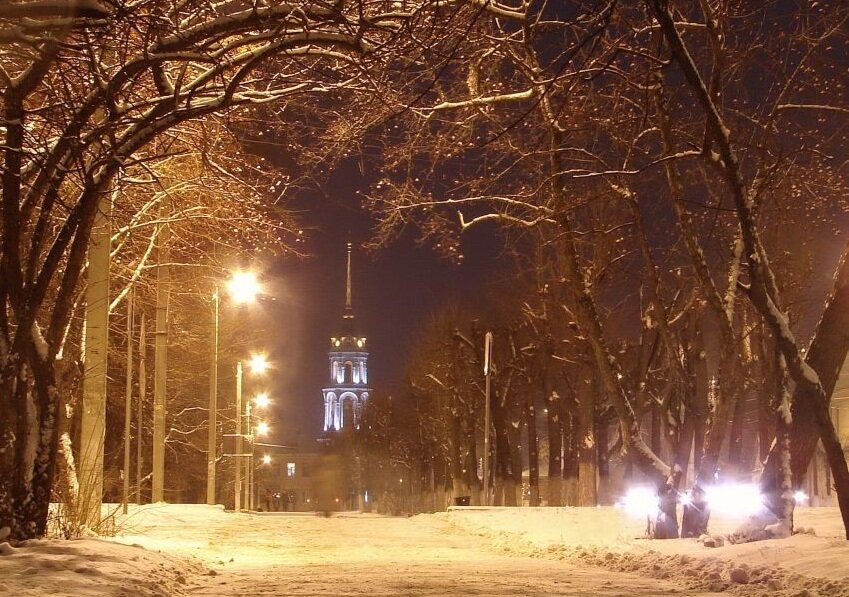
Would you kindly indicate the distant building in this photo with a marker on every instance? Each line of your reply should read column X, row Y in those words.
column 289, row 484
column 348, row 391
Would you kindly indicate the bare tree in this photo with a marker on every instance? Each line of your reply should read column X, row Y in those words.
column 87, row 87
column 574, row 106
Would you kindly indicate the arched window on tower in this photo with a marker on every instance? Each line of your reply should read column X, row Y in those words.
column 349, row 372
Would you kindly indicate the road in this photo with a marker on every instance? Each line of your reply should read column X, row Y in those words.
column 298, row 555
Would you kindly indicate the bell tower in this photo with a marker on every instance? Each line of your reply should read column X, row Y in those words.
column 348, row 390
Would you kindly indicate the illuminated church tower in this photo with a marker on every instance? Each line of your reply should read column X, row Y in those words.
column 348, row 392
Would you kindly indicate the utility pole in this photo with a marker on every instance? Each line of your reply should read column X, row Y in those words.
column 128, row 400
column 140, row 407
column 249, row 474
column 212, row 444
column 160, row 363
column 93, row 420
column 239, row 429
column 487, row 370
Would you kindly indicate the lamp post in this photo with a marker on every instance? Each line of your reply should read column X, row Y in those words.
column 261, row 428
column 243, row 288
column 257, row 364
column 128, row 402
column 487, row 370
column 212, row 444
column 237, row 505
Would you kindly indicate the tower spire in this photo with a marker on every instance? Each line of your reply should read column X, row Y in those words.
column 349, row 311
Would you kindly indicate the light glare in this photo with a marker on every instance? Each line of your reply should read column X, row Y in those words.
column 800, row 496
column 258, row 363
column 640, row 502
column 735, row 499
column 262, row 428
column 266, row 459
column 243, row 287
column 262, row 400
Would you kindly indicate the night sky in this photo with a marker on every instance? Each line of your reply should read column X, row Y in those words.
column 394, row 291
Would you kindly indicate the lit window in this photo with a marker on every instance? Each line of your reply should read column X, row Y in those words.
column 290, row 469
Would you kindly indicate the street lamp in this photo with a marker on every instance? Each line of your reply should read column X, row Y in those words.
column 258, row 364
column 243, row 288
column 262, row 428
column 262, row 400
column 212, row 443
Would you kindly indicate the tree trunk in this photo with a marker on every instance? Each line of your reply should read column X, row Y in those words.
column 67, row 481
column 459, row 479
column 602, row 440
column 533, row 451
column 513, row 488
column 500, row 465
column 555, row 449
column 587, row 473
column 29, row 431
column 470, row 463
column 780, row 501
column 571, row 466
column 735, row 438
column 694, row 519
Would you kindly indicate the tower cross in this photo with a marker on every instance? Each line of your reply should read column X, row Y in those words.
column 349, row 311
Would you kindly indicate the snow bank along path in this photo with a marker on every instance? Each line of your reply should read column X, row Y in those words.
column 203, row 551
column 88, row 568
column 804, row 565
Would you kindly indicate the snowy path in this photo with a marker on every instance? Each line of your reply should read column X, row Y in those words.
column 367, row 555
column 202, row 551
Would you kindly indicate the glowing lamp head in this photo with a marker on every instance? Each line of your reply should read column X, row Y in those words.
column 266, row 459
column 258, row 363
column 262, row 428
column 686, row 499
column 243, row 287
column 262, row 400
column 800, row 497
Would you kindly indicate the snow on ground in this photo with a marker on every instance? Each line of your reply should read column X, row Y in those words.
column 197, row 550
column 89, row 567
column 802, row 565
column 359, row 554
